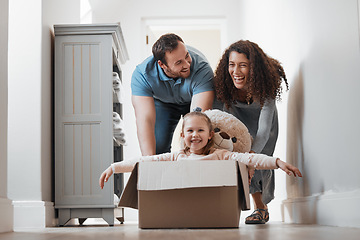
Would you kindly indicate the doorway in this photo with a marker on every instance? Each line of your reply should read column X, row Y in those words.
column 206, row 34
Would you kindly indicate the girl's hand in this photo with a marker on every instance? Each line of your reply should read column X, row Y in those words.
column 288, row 168
column 105, row 176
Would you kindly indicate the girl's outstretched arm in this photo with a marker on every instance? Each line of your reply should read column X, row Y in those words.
column 105, row 176
column 128, row 165
column 288, row 168
column 262, row 161
column 118, row 167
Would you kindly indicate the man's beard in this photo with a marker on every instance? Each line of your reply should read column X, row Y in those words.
column 173, row 74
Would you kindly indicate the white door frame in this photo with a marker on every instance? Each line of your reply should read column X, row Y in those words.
column 188, row 23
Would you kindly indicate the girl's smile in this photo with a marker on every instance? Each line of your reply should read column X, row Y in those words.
column 196, row 134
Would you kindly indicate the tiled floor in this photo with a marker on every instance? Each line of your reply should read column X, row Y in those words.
column 130, row 231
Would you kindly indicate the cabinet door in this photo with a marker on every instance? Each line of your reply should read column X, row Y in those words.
column 83, row 119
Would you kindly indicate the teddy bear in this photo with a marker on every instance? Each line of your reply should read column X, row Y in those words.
column 230, row 133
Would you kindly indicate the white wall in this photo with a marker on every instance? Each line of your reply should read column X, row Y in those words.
column 24, row 100
column 6, row 209
column 30, row 111
column 4, row 11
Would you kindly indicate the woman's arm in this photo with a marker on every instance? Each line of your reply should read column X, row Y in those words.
column 264, row 126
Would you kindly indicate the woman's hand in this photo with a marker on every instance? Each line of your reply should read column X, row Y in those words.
column 251, row 173
column 105, row 176
column 288, row 168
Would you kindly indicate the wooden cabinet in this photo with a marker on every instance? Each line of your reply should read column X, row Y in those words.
column 86, row 55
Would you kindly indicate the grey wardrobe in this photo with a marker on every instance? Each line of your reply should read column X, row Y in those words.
column 86, row 56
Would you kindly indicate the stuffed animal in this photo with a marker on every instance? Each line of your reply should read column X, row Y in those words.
column 230, row 132
column 118, row 91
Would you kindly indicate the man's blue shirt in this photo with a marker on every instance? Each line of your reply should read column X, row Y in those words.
column 149, row 79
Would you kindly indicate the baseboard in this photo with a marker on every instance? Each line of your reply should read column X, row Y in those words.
column 329, row 208
column 33, row 214
column 6, row 216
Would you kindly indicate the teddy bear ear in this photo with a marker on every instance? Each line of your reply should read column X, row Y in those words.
column 226, row 122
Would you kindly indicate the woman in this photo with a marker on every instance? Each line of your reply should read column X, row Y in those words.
column 247, row 84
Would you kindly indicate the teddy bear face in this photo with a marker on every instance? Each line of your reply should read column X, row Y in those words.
column 222, row 140
column 230, row 133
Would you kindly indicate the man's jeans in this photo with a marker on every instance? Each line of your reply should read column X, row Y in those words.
column 167, row 118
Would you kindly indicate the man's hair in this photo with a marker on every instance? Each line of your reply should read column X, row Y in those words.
column 167, row 42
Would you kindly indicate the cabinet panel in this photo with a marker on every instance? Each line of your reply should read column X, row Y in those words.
column 82, row 80
column 82, row 165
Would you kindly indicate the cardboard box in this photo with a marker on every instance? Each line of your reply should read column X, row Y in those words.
column 188, row 194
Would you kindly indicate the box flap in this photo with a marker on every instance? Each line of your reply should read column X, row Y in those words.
column 186, row 174
column 244, row 186
column 129, row 197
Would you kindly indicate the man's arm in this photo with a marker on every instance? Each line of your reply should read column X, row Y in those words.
column 145, row 123
column 204, row 100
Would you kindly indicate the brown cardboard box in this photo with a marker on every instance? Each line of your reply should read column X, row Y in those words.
column 188, row 194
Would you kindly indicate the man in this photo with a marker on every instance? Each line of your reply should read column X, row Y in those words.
column 165, row 86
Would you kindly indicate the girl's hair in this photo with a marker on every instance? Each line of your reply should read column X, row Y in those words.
column 265, row 75
column 210, row 143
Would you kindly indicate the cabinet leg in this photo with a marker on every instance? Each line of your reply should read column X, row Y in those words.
column 64, row 216
column 108, row 216
column 120, row 214
column 81, row 220
column 120, row 219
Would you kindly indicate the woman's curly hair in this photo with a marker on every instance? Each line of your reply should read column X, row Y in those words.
column 265, row 75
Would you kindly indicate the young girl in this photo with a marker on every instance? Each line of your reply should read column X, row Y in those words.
column 197, row 134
